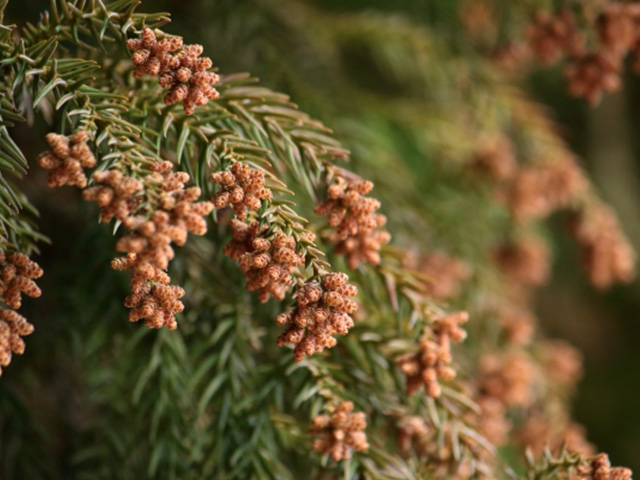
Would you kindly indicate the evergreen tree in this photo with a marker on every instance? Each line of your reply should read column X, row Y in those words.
column 298, row 321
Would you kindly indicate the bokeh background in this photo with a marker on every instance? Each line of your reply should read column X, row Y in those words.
column 281, row 42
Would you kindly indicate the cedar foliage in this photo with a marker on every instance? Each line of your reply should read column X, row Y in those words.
column 467, row 169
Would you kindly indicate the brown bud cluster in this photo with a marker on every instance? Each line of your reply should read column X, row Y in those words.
column 115, row 194
column 434, row 447
column 525, row 261
column 618, row 27
column 517, row 325
column 358, row 233
column 413, row 434
column 339, row 434
column 495, row 158
column 492, row 422
column 538, row 190
column 66, row 159
column 478, row 19
column 17, row 273
column 242, row 187
column 561, row 362
column 508, row 377
column 179, row 66
column 552, row 36
column 590, row 73
column 607, row 255
column 148, row 246
column 169, row 214
column 445, row 273
column 432, row 362
column 12, row 327
column 16, row 277
column 542, row 431
column 267, row 263
column 322, row 310
column 600, row 469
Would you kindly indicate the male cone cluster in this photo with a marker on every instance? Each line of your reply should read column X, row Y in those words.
column 17, row 273
column 322, row 311
column 432, row 362
column 551, row 36
column 359, row 234
column 148, row 246
column 156, row 208
column 590, row 72
column 538, row 190
column 267, row 263
column 242, row 187
column 600, row 469
column 525, row 260
column 67, row 159
column 179, row 66
column 341, row 433
column 607, row 255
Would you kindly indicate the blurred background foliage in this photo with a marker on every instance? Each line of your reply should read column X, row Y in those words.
column 404, row 119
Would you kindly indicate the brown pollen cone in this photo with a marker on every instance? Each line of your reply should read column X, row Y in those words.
column 67, row 159
column 552, row 36
column 359, row 234
column 267, row 262
column 148, row 247
column 538, row 190
column 508, row 377
column 431, row 364
column 339, row 434
column 607, row 256
column 179, row 66
column 592, row 74
column 322, row 310
column 242, row 187
column 525, row 261
column 495, row 158
column 17, row 274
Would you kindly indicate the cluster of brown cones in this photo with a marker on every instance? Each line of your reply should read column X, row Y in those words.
column 507, row 377
column 552, row 36
column 590, row 72
column 17, row 273
column 242, row 187
column 538, row 190
column 431, row 364
column 156, row 208
column 494, row 157
column 525, row 261
column 267, row 262
column 607, row 256
column 600, row 469
column 339, row 434
column 322, row 310
column 359, row 234
column 67, row 159
column 148, row 247
column 179, row 66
